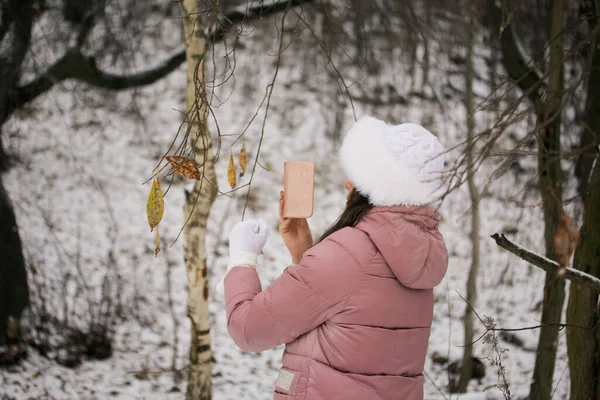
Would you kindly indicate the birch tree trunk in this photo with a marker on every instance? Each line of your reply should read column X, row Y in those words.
column 583, row 346
column 467, row 362
column 197, row 206
column 550, row 173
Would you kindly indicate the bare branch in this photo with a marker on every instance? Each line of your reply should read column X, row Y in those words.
column 74, row 65
column 268, row 94
column 546, row 264
column 519, row 70
column 244, row 13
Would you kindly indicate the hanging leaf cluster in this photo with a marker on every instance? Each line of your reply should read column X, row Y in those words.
column 187, row 168
column 155, row 205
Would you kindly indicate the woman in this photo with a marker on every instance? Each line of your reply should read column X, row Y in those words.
column 355, row 310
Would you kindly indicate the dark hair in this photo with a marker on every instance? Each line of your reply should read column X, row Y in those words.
column 357, row 207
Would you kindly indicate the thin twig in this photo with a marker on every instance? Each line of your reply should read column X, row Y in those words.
column 270, row 88
column 434, row 385
column 492, row 328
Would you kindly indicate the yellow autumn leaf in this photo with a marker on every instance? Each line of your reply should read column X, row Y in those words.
column 155, row 206
column 243, row 160
column 184, row 167
column 231, row 172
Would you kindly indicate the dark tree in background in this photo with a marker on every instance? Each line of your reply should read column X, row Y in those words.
column 14, row 292
column 583, row 345
column 22, row 81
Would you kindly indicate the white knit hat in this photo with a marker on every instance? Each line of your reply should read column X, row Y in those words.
column 393, row 164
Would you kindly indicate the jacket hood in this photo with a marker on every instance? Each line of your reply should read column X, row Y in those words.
column 410, row 243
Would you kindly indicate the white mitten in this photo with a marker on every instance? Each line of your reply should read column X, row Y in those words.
column 246, row 242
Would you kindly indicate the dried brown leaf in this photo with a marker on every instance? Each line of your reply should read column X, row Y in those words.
column 243, row 159
column 184, row 167
column 565, row 239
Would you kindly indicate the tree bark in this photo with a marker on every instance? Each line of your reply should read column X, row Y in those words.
column 14, row 292
column 15, row 35
column 590, row 137
column 518, row 69
column 359, row 33
column 197, row 207
column 551, row 189
column 583, row 346
column 467, row 361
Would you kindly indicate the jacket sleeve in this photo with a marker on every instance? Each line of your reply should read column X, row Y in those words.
column 302, row 298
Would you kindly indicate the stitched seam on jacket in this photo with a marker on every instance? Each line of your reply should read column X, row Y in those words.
column 281, row 326
column 362, row 277
column 356, row 285
column 293, row 333
column 352, row 256
column 346, row 250
column 423, row 266
column 308, row 368
column 314, row 345
column 277, row 322
column 363, row 272
column 346, row 373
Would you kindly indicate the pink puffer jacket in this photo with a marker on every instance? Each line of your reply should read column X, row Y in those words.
column 355, row 312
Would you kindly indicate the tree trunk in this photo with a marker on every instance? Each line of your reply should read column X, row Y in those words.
column 359, row 32
column 14, row 292
column 467, row 361
column 551, row 190
column 590, row 137
column 4, row 158
column 15, row 35
column 425, row 69
column 198, row 204
column 583, row 345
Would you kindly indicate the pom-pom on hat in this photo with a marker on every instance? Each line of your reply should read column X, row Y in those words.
column 393, row 164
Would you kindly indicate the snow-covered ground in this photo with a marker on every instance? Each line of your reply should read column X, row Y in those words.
column 80, row 204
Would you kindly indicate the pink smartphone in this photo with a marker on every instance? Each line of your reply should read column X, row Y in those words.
column 298, row 187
